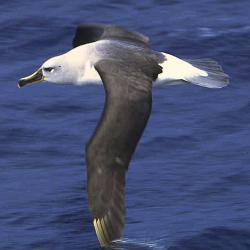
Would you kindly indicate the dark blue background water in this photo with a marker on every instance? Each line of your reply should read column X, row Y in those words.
column 188, row 186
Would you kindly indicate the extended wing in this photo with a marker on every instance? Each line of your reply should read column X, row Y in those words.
column 92, row 33
column 126, row 112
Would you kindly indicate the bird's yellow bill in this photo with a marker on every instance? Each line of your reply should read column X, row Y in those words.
column 34, row 78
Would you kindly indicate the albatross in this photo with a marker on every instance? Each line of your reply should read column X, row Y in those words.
column 128, row 68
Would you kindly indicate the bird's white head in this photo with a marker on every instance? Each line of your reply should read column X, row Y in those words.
column 60, row 69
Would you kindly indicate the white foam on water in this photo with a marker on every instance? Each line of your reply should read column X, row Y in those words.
column 133, row 244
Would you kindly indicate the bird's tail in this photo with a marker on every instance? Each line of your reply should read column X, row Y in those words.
column 202, row 72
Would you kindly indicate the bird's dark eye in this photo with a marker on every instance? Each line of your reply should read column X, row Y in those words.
column 48, row 69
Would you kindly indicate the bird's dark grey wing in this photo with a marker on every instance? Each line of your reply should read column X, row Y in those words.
column 126, row 112
column 92, row 33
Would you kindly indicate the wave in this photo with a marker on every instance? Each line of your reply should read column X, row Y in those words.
column 129, row 244
column 216, row 238
column 209, row 239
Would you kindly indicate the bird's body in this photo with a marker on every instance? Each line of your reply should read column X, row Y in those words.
column 128, row 68
column 81, row 60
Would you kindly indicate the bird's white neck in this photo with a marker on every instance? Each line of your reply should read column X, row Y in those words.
column 85, row 73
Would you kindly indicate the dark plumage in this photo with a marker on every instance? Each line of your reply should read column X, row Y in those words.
column 126, row 112
column 127, row 81
column 94, row 32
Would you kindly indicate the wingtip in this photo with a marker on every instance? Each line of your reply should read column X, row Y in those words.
column 105, row 232
column 101, row 232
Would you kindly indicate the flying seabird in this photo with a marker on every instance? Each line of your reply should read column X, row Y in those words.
column 128, row 68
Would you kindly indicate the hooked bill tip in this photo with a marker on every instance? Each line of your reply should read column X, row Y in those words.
column 21, row 83
column 36, row 77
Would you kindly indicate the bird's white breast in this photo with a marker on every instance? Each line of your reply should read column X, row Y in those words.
column 83, row 58
column 91, row 76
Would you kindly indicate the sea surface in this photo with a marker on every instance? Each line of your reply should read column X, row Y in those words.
column 188, row 185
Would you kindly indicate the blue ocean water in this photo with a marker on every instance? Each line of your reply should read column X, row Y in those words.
column 189, row 181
